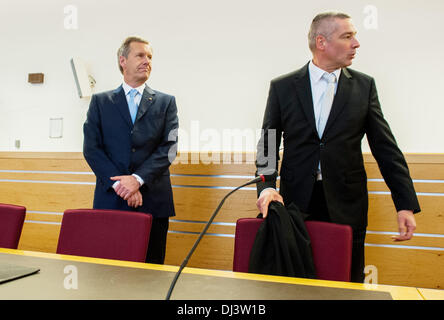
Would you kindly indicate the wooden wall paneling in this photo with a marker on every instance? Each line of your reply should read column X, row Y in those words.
column 212, row 253
column 78, row 177
column 47, row 196
column 432, row 171
column 431, row 186
column 215, row 228
column 49, row 183
column 382, row 214
column 200, row 203
column 421, row 240
column 39, row 237
column 407, row 267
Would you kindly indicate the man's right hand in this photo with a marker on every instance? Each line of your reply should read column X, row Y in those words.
column 265, row 198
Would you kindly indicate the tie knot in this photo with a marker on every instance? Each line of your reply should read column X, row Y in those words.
column 330, row 77
column 133, row 93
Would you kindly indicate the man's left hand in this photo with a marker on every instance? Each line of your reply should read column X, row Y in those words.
column 135, row 200
column 127, row 187
column 406, row 225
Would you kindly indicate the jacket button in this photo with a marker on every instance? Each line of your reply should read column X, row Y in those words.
column 133, row 150
column 321, row 145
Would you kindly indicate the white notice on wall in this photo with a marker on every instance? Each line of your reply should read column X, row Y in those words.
column 55, row 127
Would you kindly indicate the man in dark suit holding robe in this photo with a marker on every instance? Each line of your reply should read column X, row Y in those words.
column 130, row 140
column 323, row 111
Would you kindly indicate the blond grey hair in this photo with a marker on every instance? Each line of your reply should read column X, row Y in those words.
column 321, row 26
column 125, row 48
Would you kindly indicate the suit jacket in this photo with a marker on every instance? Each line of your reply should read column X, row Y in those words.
column 114, row 146
column 355, row 111
column 282, row 245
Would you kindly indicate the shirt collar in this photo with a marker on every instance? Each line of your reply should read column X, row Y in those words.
column 316, row 73
column 127, row 88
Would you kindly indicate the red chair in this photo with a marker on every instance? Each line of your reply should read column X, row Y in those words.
column 245, row 233
column 331, row 247
column 11, row 224
column 109, row 234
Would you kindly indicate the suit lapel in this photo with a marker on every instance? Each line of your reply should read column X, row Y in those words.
column 148, row 98
column 303, row 90
column 341, row 97
column 119, row 101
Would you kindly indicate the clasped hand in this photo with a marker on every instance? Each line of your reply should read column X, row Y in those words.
column 128, row 189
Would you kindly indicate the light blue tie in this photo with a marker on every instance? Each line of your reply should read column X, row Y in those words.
column 327, row 102
column 132, row 104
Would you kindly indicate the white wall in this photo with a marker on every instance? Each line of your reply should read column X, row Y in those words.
column 216, row 57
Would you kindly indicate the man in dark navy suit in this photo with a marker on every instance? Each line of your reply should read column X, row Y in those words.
column 130, row 140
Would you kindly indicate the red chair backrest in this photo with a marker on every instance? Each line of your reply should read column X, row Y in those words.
column 246, row 229
column 331, row 247
column 109, row 234
column 11, row 224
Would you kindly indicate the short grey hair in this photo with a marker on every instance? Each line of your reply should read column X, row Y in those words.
column 319, row 28
column 125, row 48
